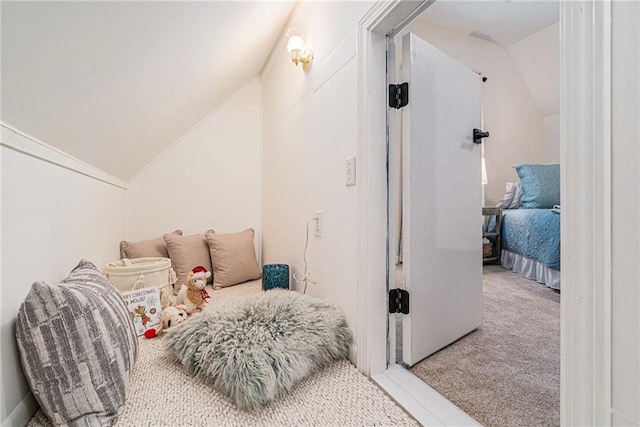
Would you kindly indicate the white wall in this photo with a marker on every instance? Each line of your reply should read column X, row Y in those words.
column 309, row 129
column 210, row 178
column 537, row 57
column 51, row 218
column 134, row 76
column 510, row 113
column 551, row 142
column 625, row 308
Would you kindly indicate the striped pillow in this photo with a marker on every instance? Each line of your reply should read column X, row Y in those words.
column 78, row 347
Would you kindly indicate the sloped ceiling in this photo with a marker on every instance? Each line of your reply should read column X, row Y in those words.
column 527, row 29
column 500, row 21
column 115, row 83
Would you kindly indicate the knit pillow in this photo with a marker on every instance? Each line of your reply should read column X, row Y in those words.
column 78, row 347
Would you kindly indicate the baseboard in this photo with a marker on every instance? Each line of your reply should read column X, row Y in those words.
column 422, row 402
column 22, row 413
column 618, row 419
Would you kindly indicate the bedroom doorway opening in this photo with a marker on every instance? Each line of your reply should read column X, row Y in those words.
column 506, row 369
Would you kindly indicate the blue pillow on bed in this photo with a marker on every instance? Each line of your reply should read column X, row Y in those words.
column 540, row 185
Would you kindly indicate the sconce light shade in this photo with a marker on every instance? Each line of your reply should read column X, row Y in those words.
column 298, row 50
column 295, row 43
column 485, row 180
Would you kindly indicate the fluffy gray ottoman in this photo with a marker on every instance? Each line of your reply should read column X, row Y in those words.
column 257, row 348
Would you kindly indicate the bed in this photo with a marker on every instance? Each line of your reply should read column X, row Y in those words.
column 531, row 244
column 530, row 230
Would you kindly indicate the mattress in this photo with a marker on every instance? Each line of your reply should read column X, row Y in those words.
column 534, row 233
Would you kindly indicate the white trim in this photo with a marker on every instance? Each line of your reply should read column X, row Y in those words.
column 424, row 403
column 30, row 146
column 585, row 153
column 371, row 191
column 22, row 412
column 585, row 35
column 417, row 398
column 371, row 207
column 618, row 419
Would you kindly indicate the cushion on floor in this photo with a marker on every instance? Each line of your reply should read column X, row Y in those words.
column 78, row 347
column 255, row 349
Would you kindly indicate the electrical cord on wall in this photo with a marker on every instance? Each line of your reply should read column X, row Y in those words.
column 305, row 276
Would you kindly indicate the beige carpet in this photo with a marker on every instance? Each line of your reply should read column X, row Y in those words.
column 162, row 394
column 507, row 372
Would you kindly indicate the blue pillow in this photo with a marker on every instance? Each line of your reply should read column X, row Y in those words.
column 540, row 185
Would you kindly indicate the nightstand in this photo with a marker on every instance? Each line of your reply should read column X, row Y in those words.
column 493, row 257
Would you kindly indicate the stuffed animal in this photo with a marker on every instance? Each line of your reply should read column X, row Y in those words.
column 171, row 316
column 193, row 294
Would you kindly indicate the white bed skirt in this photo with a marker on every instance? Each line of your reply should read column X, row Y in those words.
column 530, row 268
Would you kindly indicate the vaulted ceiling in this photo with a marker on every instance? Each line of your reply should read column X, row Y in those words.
column 528, row 29
column 115, row 83
column 500, row 21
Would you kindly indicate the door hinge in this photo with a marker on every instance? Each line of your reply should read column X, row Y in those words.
column 398, row 95
column 398, row 301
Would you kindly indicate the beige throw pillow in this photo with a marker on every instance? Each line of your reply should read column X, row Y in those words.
column 187, row 252
column 233, row 257
column 146, row 248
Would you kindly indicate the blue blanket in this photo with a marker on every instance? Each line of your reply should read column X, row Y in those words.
column 534, row 233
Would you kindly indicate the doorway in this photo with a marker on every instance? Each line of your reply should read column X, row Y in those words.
column 442, row 274
column 583, row 47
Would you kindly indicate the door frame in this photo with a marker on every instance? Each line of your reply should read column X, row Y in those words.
column 585, row 152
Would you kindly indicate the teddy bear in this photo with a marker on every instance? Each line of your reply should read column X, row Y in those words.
column 171, row 316
column 193, row 294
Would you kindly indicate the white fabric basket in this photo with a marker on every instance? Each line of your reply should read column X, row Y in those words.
column 129, row 274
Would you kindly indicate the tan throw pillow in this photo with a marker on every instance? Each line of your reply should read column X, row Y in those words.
column 187, row 252
column 146, row 248
column 233, row 257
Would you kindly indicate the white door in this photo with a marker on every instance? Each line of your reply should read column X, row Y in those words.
column 442, row 200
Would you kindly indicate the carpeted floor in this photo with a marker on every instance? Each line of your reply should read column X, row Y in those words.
column 161, row 393
column 507, row 372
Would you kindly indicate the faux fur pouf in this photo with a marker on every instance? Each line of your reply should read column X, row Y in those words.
column 257, row 348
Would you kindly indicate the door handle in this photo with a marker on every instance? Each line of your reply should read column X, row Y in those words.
column 478, row 135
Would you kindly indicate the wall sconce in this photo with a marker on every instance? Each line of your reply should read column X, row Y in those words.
column 299, row 51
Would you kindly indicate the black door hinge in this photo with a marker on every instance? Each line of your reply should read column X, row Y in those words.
column 398, row 301
column 478, row 135
column 398, row 95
